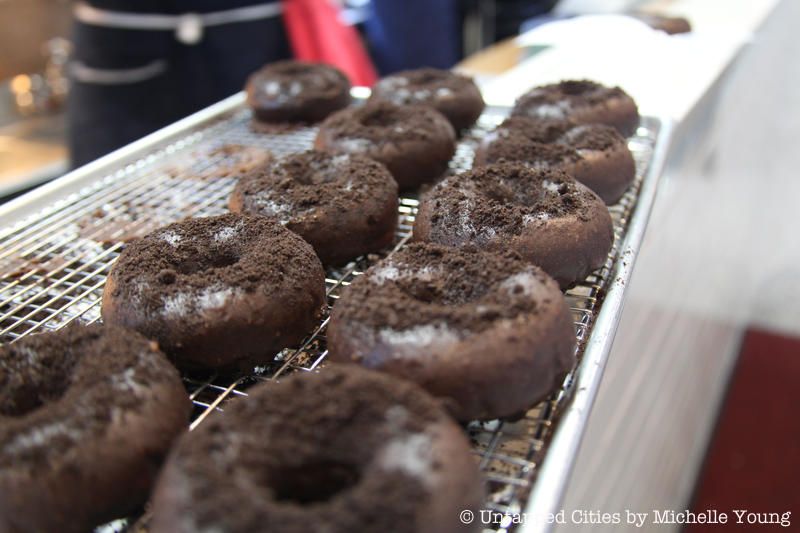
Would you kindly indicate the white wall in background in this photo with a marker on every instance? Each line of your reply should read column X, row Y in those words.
column 721, row 253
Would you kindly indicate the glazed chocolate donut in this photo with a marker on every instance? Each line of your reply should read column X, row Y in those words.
column 219, row 292
column 87, row 415
column 343, row 205
column 488, row 332
column 546, row 216
column 594, row 154
column 293, row 91
column 582, row 102
column 339, row 451
column 453, row 95
column 415, row 142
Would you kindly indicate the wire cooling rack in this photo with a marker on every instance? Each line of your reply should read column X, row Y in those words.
column 55, row 257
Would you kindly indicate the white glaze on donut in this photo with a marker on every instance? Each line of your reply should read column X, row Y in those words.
column 129, row 382
column 34, row 437
column 227, row 233
column 279, row 208
column 282, row 92
column 384, row 273
column 396, row 90
column 559, row 111
column 388, row 271
column 410, row 341
column 354, row 144
column 172, row 238
column 189, row 302
column 526, row 282
column 410, row 454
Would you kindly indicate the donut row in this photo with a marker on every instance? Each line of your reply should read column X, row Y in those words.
column 93, row 422
column 412, row 119
column 467, row 322
column 409, row 125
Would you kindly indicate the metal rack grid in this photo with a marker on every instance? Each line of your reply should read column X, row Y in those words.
column 54, row 262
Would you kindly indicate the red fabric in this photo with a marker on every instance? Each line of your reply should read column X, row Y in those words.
column 754, row 458
column 317, row 34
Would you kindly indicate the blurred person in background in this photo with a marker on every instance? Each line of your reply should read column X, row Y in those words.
column 139, row 65
column 407, row 34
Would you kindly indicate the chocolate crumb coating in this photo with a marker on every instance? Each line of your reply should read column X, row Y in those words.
column 344, row 205
column 220, row 292
column 452, row 94
column 342, row 450
column 594, row 154
column 488, row 332
column 544, row 215
column 294, row 91
column 582, row 102
column 87, row 415
column 415, row 142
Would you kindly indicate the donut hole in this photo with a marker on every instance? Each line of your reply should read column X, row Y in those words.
column 427, row 77
column 577, row 87
column 291, row 68
column 542, row 131
column 25, row 398
column 314, row 482
column 196, row 263
column 511, row 189
column 317, row 174
column 167, row 276
column 453, row 293
column 499, row 191
column 592, row 137
column 425, row 292
column 28, row 400
column 310, row 168
column 380, row 117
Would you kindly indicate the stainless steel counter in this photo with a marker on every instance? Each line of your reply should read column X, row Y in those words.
column 720, row 254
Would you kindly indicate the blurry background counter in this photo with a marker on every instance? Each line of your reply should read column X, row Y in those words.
column 721, row 256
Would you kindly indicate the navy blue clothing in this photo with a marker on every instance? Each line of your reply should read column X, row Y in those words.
column 402, row 34
column 105, row 117
column 410, row 34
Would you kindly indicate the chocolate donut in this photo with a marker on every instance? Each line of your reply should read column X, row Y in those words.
column 219, row 292
column 87, row 415
column 293, row 91
column 339, row 451
column 582, row 102
column 546, row 216
column 415, row 142
column 488, row 332
column 453, row 95
column 594, row 154
column 343, row 205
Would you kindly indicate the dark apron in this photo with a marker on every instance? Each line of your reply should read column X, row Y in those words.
column 407, row 34
column 167, row 79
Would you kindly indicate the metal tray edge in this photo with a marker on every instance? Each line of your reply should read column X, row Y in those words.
column 556, row 468
column 27, row 204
